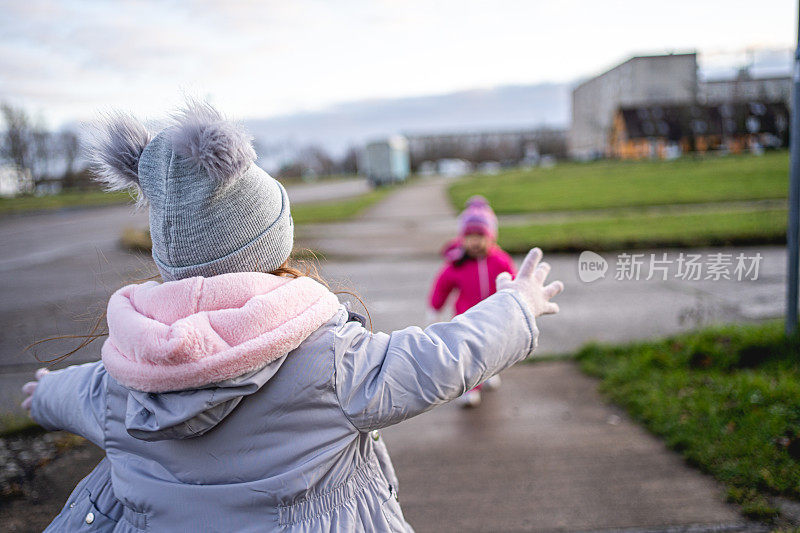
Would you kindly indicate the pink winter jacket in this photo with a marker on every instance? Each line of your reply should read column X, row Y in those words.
column 473, row 278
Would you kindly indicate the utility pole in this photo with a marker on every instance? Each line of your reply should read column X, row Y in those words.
column 793, row 228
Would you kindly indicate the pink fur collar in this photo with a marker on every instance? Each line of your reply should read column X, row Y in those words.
column 193, row 332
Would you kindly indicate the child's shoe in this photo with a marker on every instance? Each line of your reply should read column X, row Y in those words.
column 470, row 399
column 493, row 383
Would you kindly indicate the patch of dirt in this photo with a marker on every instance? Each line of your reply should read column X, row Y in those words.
column 37, row 475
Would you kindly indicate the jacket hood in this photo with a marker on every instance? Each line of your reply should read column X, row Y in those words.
column 205, row 343
column 190, row 413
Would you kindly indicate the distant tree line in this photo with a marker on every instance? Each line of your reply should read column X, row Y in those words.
column 507, row 148
column 55, row 156
column 313, row 160
column 29, row 146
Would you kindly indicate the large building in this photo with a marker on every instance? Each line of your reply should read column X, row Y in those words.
column 660, row 82
column 638, row 81
column 745, row 88
column 664, row 132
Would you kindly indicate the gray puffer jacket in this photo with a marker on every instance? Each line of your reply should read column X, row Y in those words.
column 287, row 447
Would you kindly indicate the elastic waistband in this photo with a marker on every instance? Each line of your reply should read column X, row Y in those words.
column 321, row 504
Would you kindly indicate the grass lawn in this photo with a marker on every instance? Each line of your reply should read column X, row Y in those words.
column 612, row 184
column 64, row 199
column 616, row 232
column 727, row 398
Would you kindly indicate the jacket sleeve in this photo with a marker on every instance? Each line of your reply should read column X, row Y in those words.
column 384, row 379
column 73, row 399
column 442, row 288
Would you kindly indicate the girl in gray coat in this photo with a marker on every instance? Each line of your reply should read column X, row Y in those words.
column 239, row 395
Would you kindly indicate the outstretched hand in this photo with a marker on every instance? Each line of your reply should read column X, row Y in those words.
column 529, row 283
column 30, row 387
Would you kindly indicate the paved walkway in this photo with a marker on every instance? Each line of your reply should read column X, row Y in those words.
column 545, row 453
column 414, row 221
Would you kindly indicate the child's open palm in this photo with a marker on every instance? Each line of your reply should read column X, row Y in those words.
column 30, row 387
column 529, row 283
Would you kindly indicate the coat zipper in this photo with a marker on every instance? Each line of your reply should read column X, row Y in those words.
column 483, row 277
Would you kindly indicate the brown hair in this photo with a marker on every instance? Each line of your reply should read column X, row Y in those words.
column 290, row 268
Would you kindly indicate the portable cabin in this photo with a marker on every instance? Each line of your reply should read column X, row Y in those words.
column 386, row 161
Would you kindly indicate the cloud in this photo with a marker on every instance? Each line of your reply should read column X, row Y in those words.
column 260, row 58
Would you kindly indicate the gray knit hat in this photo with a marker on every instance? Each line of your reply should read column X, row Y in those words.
column 212, row 209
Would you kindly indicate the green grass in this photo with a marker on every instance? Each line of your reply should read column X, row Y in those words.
column 61, row 200
column 630, row 231
column 614, row 184
column 338, row 210
column 12, row 424
column 726, row 398
column 619, row 193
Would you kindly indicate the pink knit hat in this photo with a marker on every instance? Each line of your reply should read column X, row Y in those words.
column 478, row 217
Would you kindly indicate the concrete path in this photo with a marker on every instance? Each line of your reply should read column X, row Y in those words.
column 414, row 221
column 543, row 453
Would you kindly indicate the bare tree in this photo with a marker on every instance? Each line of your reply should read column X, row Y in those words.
column 17, row 145
column 349, row 163
column 43, row 152
column 290, row 170
column 70, row 148
column 315, row 158
column 29, row 145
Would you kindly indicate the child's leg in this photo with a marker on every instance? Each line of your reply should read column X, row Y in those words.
column 493, row 383
column 471, row 398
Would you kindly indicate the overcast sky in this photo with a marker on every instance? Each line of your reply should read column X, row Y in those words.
column 67, row 59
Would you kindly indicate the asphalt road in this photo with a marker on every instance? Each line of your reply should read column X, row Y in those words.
column 327, row 190
column 58, row 268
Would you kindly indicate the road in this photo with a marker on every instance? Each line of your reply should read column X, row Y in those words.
column 58, row 268
column 322, row 191
column 543, row 453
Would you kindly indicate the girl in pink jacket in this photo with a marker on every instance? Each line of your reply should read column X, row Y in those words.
column 473, row 262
